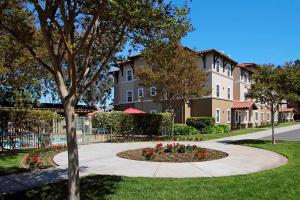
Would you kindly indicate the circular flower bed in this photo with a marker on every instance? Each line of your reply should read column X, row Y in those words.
column 173, row 153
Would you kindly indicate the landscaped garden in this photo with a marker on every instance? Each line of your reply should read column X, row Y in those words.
column 173, row 152
column 280, row 183
column 28, row 159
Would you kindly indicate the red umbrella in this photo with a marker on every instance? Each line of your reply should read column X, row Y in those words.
column 133, row 111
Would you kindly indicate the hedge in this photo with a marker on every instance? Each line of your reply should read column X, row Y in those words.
column 184, row 130
column 203, row 124
column 121, row 123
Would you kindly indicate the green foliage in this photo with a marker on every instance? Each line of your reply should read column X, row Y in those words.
column 184, row 130
column 224, row 127
column 201, row 123
column 133, row 124
column 31, row 120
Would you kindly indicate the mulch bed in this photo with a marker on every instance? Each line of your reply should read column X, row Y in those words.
column 137, row 154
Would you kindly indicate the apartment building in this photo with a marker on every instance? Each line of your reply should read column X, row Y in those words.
column 227, row 80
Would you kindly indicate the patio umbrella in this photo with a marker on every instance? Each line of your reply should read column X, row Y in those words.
column 133, row 111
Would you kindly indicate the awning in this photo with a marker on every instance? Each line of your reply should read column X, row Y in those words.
column 133, row 111
column 244, row 105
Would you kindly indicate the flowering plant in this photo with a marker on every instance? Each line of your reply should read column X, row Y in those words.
column 33, row 160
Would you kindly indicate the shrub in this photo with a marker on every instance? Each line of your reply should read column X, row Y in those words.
column 219, row 129
column 211, row 130
column 224, row 127
column 201, row 123
column 184, row 130
column 133, row 124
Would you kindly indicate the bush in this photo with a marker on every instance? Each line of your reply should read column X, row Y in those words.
column 224, row 127
column 133, row 124
column 219, row 129
column 184, row 130
column 203, row 124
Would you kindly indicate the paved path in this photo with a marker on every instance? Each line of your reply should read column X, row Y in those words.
column 101, row 159
column 293, row 135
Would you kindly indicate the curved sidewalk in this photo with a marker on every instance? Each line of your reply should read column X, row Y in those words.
column 102, row 159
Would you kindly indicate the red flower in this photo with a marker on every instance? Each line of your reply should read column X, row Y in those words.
column 36, row 158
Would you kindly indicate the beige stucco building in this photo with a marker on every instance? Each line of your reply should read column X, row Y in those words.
column 227, row 80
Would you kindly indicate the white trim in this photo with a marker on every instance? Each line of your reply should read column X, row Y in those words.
column 140, row 89
column 246, row 118
column 229, row 93
column 151, row 91
column 128, row 96
column 228, row 121
column 126, row 74
column 218, row 121
column 263, row 116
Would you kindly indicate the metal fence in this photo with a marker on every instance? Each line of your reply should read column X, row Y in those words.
column 13, row 138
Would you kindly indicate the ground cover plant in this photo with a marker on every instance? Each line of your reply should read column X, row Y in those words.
column 279, row 183
column 174, row 152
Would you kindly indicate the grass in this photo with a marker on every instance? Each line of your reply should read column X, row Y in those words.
column 279, row 183
column 10, row 161
column 205, row 137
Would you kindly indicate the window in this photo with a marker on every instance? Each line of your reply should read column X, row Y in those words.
column 237, row 116
column 129, row 75
column 217, row 65
column 228, row 70
column 268, row 116
column 228, row 116
column 152, row 91
column 245, row 78
column 141, row 92
column 261, row 116
column 245, row 96
column 228, row 93
column 246, row 115
column 129, row 96
column 256, row 116
column 153, row 111
column 218, row 90
column 218, row 113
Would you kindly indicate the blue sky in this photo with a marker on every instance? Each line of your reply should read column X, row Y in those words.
column 260, row 31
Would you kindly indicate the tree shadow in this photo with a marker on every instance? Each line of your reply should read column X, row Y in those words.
column 246, row 141
column 91, row 187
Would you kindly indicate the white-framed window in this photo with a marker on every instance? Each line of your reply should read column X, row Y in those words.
column 129, row 96
column 228, row 115
column 218, row 65
column 153, row 111
column 228, row 70
column 141, row 92
column 256, row 116
column 246, row 115
column 129, row 74
column 228, row 93
column 262, row 116
column 218, row 116
column 217, row 90
column 268, row 116
column 152, row 91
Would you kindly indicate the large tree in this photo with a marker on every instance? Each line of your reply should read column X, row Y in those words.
column 272, row 86
column 82, row 38
column 175, row 73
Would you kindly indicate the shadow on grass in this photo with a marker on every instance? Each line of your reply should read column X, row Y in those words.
column 247, row 141
column 91, row 187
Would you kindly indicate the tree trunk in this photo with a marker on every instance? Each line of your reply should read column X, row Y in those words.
column 272, row 123
column 73, row 164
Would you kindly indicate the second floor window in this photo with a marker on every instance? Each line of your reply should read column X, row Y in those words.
column 129, row 96
column 228, row 93
column 141, row 92
column 129, row 75
column 245, row 78
column 152, row 91
column 218, row 91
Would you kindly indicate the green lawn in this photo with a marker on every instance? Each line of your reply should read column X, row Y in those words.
column 205, row 137
column 280, row 183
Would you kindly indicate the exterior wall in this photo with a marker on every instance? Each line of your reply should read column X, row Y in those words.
column 201, row 107
column 236, row 84
column 241, row 86
column 223, row 106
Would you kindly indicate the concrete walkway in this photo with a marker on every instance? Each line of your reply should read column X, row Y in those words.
column 101, row 159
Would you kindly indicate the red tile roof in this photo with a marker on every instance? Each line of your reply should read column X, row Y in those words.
column 287, row 110
column 243, row 105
